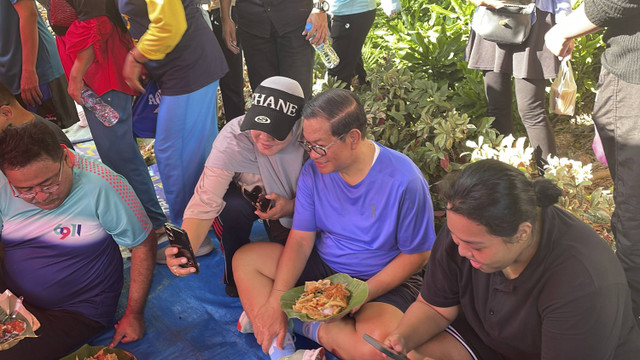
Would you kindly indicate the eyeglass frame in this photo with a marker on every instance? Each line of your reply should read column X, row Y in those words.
column 308, row 147
column 43, row 189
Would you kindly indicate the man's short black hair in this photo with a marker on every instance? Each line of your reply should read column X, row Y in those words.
column 342, row 108
column 24, row 144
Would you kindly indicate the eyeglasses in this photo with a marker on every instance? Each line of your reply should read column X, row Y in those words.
column 43, row 189
column 318, row 149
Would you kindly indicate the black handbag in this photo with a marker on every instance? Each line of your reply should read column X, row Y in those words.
column 510, row 24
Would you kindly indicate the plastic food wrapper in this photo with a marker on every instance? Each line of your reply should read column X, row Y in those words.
column 563, row 91
column 8, row 303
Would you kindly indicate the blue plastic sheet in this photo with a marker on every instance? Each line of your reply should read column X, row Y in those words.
column 192, row 317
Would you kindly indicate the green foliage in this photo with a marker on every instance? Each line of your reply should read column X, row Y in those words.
column 594, row 207
column 422, row 100
column 412, row 114
column 586, row 68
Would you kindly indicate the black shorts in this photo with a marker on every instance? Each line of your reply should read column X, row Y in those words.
column 401, row 297
column 464, row 333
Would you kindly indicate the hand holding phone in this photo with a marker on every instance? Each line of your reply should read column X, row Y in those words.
column 391, row 353
column 178, row 238
column 257, row 198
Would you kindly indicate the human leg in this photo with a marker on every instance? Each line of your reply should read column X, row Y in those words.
column 119, row 151
column 531, row 95
column 497, row 88
column 444, row 346
column 344, row 337
column 295, row 59
column 615, row 114
column 276, row 232
column 376, row 318
column 458, row 341
column 187, row 126
column 255, row 266
column 232, row 84
column 235, row 223
column 60, row 332
column 348, row 34
column 260, row 55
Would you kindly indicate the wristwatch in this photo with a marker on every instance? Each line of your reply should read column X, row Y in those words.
column 321, row 5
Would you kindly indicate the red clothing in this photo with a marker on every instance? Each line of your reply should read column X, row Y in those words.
column 111, row 46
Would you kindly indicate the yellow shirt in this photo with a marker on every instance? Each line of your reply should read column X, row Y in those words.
column 168, row 24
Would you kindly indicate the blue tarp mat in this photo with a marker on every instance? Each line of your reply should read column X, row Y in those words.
column 189, row 318
column 192, row 317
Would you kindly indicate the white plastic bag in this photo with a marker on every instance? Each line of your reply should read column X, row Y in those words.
column 563, row 91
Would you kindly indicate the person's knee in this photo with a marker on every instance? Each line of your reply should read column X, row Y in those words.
column 260, row 256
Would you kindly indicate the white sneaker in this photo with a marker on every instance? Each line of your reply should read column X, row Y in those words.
column 316, row 354
column 244, row 324
column 206, row 247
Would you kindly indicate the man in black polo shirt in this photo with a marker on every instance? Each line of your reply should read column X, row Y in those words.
column 273, row 38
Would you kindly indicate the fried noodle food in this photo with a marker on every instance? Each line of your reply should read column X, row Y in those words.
column 322, row 299
column 101, row 355
column 11, row 329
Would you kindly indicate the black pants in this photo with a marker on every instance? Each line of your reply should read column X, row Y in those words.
column 233, row 228
column 530, row 96
column 60, row 332
column 59, row 108
column 616, row 113
column 232, row 84
column 348, row 34
column 288, row 55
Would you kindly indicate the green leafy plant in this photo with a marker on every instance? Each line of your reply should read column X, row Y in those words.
column 594, row 207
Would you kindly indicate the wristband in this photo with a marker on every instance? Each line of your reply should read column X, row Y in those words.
column 134, row 58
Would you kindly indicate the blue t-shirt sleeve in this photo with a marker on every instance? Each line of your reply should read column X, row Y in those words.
column 415, row 224
column 304, row 212
column 121, row 213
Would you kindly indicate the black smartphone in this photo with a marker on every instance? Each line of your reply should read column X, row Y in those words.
column 257, row 198
column 263, row 204
column 179, row 239
column 392, row 354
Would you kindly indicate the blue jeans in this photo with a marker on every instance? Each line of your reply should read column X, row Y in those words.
column 187, row 126
column 616, row 113
column 119, row 151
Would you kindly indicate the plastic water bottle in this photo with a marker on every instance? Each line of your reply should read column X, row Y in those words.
column 101, row 110
column 327, row 53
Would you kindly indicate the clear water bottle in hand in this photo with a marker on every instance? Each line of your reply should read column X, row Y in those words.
column 327, row 53
column 100, row 109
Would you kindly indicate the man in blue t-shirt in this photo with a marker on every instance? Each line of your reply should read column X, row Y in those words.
column 361, row 209
column 62, row 217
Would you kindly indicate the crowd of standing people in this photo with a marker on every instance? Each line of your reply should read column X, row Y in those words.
column 510, row 275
